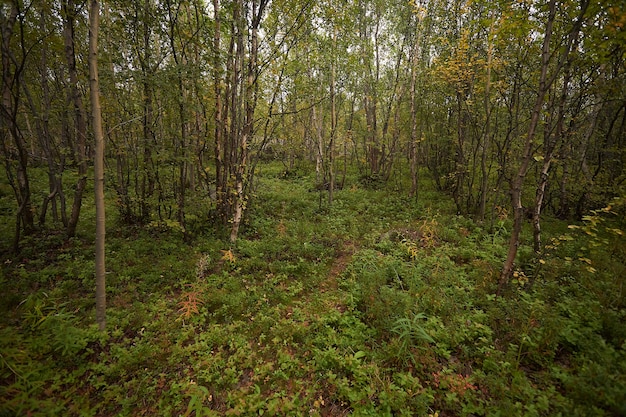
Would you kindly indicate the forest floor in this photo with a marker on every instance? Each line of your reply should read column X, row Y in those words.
column 379, row 305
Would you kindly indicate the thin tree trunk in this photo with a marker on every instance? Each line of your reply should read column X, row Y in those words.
column 333, row 121
column 238, row 140
column 181, row 145
column 94, row 17
column 55, row 184
column 551, row 144
column 349, row 138
column 250, row 100
column 518, row 180
column 9, row 128
column 460, row 162
column 79, row 113
column 484, row 180
column 319, row 146
column 219, row 121
column 414, row 139
column 147, row 179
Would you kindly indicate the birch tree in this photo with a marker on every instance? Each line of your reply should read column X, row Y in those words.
column 94, row 89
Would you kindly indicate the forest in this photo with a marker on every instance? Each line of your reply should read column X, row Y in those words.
column 313, row 208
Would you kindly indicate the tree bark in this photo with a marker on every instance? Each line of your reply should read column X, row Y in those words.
column 414, row 139
column 9, row 128
column 484, row 179
column 147, row 180
column 79, row 114
column 551, row 143
column 518, row 180
column 180, row 146
column 333, row 119
column 219, row 120
column 55, row 184
column 94, row 21
column 250, row 100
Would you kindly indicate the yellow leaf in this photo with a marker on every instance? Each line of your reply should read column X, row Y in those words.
column 228, row 255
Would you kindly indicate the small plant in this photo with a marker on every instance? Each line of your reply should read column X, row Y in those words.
column 229, row 256
column 190, row 304
column 428, row 230
column 203, row 266
column 411, row 248
column 198, row 396
column 455, row 383
column 410, row 333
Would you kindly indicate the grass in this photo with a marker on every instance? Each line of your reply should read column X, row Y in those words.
column 378, row 305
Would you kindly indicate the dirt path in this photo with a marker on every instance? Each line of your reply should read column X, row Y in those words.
column 330, row 285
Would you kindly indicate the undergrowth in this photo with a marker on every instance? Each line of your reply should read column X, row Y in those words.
column 377, row 305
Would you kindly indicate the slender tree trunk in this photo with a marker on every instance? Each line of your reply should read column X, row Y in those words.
column 69, row 13
column 94, row 18
column 55, row 184
column 181, row 144
column 551, row 144
column 333, row 121
column 239, row 133
column 349, row 138
column 460, row 162
column 370, row 98
column 219, row 121
column 484, row 179
column 147, row 178
column 250, row 100
column 317, row 126
column 391, row 116
column 518, row 180
column 414, row 139
column 9, row 128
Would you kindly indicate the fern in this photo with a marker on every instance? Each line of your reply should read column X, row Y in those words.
column 190, row 304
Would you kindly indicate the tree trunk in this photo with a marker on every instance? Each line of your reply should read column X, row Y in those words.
column 147, row 179
column 333, row 120
column 69, row 13
column 484, row 179
column 180, row 146
column 518, row 180
column 250, row 100
column 94, row 17
column 317, row 126
column 460, row 162
column 219, row 121
column 55, row 185
column 19, row 180
column 551, row 144
column 414, row 139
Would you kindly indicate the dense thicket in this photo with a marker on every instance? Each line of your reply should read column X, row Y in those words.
column 513, row 107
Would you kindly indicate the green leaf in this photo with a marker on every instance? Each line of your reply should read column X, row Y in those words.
column 360, row 354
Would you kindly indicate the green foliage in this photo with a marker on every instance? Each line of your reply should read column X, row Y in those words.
column 410, row 334
column 318, row 312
